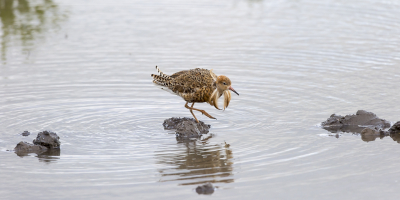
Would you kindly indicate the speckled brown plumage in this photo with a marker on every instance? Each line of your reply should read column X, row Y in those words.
column 196, row 86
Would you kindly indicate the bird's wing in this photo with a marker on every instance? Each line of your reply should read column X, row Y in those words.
column 179, row 73
column 214, row 76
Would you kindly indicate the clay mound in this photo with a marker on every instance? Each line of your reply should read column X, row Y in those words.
column 353, row 123
column 186, row 127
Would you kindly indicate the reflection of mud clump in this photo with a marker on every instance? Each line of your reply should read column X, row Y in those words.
column 351, row 123
column 370, row 134
column 186, row 127
column 205, row 189
column 47, row 139
column 24, row 148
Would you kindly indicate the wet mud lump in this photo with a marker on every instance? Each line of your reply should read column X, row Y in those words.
column 24, row 148
column 186, row 127
column 47, row 139
column 352, row 123
column 45, row 142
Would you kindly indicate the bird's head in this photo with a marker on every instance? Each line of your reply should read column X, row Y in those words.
column 223, row 86
column 224, row 83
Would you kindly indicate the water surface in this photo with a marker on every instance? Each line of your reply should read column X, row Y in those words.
column 82, row 70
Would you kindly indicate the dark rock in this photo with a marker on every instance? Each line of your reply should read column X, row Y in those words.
column 395, row 128
column 47, row 139
column 205, row 189
column 23, row 148
column 25, row 133
column 352, row 123
column 186, row 127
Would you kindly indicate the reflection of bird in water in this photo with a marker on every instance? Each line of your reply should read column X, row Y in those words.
column 197, row 86
column 197, row 162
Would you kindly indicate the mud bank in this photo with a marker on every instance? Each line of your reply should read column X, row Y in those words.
column 354, row 123
column 186, row 128
column 45, row 141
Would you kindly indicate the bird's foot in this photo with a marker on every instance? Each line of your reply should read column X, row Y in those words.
column 208, row 115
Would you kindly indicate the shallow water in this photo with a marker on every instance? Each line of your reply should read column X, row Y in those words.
column 83, row 71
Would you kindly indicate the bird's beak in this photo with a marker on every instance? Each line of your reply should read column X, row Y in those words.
column 230, row 88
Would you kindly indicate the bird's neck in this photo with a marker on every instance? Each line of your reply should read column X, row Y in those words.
column 220, row 92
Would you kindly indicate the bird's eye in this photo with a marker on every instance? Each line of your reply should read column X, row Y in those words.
column 224, row 83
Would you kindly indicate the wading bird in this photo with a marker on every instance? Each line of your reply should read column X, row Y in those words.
column 196, row 86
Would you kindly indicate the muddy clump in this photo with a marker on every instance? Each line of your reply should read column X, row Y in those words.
column 394, row 132
column 354, row 123
column 45, row 143
column 25, row 133
column 395, row 128
column 24, row 148
column 205, row 189
column 186, row 127
column 47, row 139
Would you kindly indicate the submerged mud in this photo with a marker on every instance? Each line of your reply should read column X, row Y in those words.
column 186, row 128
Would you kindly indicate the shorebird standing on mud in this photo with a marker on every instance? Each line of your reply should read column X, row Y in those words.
column 197, row 86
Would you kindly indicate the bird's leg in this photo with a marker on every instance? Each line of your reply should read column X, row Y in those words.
column 191, row 110
column 202, row 111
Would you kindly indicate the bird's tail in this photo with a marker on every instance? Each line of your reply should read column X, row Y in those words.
column 162, row 74
column 161, row 79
